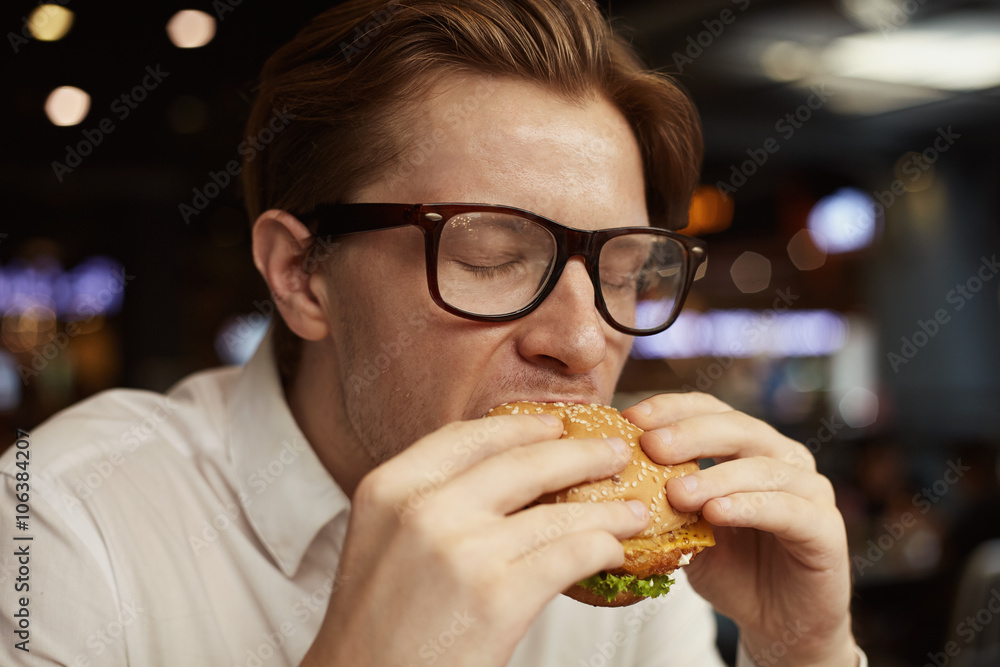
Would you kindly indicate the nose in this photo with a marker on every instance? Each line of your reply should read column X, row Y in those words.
column 566, row 333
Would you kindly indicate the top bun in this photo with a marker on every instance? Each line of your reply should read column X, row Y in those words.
column 671, row 535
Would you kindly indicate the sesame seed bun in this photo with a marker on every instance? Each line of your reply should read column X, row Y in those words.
column 670, row 535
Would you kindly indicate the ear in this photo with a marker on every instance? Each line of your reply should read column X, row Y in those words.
column 279, row 243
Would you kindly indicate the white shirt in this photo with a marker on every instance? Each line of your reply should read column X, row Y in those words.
column 200, row 528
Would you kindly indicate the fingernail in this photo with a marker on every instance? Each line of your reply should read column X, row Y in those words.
column 644, row 409
column 690, row 483
column 618, row 446
column 724, row 503
column 638, row 508
column 551, row 420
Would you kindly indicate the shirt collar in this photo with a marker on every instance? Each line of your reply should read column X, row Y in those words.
column 287, row 493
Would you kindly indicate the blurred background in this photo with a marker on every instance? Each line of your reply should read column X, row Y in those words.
column 850, row 201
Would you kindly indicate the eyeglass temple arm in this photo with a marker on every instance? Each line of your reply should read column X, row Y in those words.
column 337, row 219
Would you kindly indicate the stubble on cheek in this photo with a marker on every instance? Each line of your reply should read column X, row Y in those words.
column 388, row 381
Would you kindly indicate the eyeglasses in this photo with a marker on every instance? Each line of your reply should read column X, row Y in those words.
column 498, row 263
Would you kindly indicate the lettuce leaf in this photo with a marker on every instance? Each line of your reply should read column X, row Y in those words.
column 609, row 586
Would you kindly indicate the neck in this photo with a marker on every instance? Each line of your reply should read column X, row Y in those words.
column 321, row 415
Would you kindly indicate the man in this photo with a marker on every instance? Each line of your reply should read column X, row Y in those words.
column 341, row 500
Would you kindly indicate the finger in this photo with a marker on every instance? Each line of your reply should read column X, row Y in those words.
column 509, row 480
column 723, row 436
column 530, row 533
column 751, row 475
column 569, row 559
column 452, row 449
column 662, row 409
column 793, row 519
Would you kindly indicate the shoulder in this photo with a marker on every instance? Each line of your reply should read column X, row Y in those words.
column 119, row 422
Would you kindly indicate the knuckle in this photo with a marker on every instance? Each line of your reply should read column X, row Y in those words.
column 803, row 456
column 374, row 491
column 826, row 489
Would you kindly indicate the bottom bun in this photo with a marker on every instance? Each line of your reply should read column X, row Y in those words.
column 587, row 596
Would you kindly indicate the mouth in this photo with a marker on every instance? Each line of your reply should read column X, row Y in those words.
column 565, row 400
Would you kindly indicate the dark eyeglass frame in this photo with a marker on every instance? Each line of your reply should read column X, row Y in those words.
column 332, row 220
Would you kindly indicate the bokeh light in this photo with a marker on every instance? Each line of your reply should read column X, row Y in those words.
column 751, row 272
column 843, row 221
column 49, row 23
column 710, row 211
column 190, row 29
column 859, row 407
column 787, row 61
column 67, row 105
column 804, row 253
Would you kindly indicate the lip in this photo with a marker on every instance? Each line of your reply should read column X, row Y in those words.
column 585, row 400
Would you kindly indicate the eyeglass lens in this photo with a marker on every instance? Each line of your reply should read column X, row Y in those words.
column 492, row 263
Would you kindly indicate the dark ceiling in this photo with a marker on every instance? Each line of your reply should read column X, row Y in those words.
column 144, row 160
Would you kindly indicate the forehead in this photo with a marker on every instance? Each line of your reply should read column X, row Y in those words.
column 502, row 141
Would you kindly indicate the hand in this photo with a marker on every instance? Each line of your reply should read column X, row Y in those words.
column 780, row 568
column 442, row 562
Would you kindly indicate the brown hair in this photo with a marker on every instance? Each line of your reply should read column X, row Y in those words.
column 345, row 79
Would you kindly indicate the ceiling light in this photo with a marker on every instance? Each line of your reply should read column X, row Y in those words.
column 956, row 56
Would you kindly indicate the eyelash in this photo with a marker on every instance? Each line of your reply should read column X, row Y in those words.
column 490, row 271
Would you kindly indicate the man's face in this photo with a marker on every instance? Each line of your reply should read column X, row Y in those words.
column 404, row 366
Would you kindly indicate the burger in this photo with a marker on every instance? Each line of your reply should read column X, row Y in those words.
column 672, row 538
